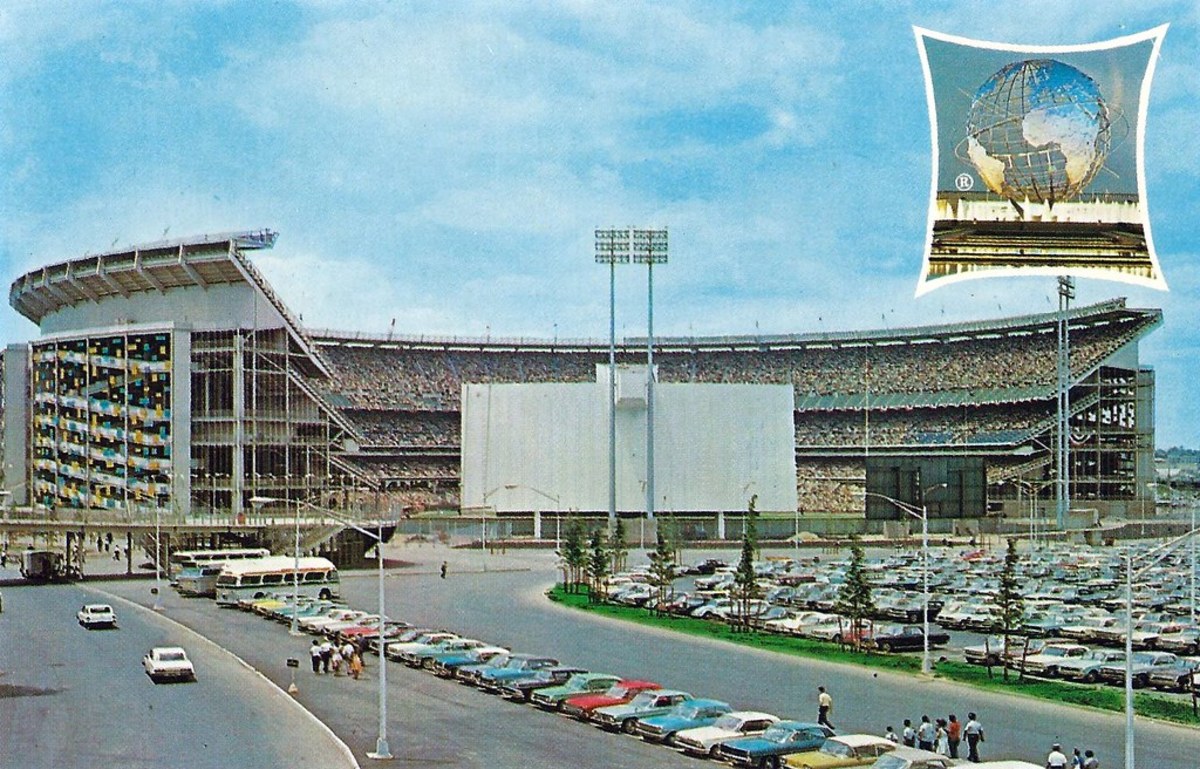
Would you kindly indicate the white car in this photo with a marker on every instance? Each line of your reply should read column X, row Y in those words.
column 705, row 740
column 168, row 663
column 94, row 615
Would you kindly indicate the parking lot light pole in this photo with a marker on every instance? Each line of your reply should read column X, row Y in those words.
column 1156, row 555
column 923, row 514
column 612, row 248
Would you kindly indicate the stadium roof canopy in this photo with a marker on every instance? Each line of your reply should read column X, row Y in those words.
column 1100, row 313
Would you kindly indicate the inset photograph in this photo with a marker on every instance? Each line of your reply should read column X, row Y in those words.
column 1037, row 159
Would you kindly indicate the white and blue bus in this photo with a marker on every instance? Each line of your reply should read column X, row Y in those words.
column 256, row 578
column 192, row 559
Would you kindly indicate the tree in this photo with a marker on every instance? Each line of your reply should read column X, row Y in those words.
column 573, row 554
column 662, row 568
column 854, row 598
column 1008, row 607
column 617, row 548
column 597, row 565
column 745, row 582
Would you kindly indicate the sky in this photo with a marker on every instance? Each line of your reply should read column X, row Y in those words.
column 442, row 166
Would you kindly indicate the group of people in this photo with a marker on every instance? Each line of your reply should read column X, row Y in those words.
column 942, row 735
column 329, row 657
column 1059, row 760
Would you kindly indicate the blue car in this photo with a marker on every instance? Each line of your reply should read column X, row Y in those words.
column 522, row 689
column 685, row 715
column 445, row 665
column 491, row 679
column 768, row 749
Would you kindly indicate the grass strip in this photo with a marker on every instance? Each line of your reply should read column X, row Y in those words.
column 1094, row 696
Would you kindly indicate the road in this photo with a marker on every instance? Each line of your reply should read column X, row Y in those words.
column 439, row 722
column 78, row 698
column 433, row 721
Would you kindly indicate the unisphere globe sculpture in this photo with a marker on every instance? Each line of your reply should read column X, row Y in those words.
column 1038, row 130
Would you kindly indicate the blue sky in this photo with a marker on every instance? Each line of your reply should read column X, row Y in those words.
column 444, row 164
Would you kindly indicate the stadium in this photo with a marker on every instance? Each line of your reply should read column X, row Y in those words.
column 172, row 376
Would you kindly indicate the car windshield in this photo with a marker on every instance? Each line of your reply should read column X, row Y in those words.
column 643, row 700
column 889, row 761
column 499, row 661
column 729, row 722
column 778, row 733
column 618, row 691
column 171, row 656
column 689, row 711
column 835, row 748
column 1055, row 651
column 577, row 682
column 1142, row 658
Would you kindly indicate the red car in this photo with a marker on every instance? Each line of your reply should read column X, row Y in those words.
column 619, row 693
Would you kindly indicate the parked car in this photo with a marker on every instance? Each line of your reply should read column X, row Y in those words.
column 168, row 663
column 1176, row 677
column 552, row 698
column 1045, row 663
column 652, row 702
column 522, row 689
column 907, row 638
column 1141, row 667
column 423, row 657
column 95, row 615
column 581, row 705
column 446, row 665
column 1184, row 641
column 518, row 666
column 1087, row 668
column 686, row 715
column 841, row 751
column 912, row 758
column 706, row 740
column 781, row 738
column 396, row 650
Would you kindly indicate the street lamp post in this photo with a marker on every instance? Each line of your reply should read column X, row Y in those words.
column 612, row 248
column 257, row 503
column 1157, row 554
column 923, row 514
column 552, row 497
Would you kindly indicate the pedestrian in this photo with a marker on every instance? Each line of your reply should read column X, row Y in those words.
column 941, row 742
column 953, row 735
column 824, row 707
column 356, row 665
column 1056, row 759
column 1076, row 759
column 890, row 736
column 347, row 652
column 314, row 652
column 974, row 732
column 1089, row 760
column 335, row 660
column 910, row 734
column 926, row 734
column 326, row 655
column 443, row 569
column 116, row 553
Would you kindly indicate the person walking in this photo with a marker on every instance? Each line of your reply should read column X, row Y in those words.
column 910, row 734
column 1056, row 759
column 941, row 743
column 443, row 570
column 890, row 736
column 356, row 665
column 335, row 659
column 326, row 655
column 824, row 707
column 314, row 652
column 974, row 733
column 1089, row 760
column 953, row 735
column 1076, row 759
column 926, row 734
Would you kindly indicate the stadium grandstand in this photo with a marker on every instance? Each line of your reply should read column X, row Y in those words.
column 181, row 349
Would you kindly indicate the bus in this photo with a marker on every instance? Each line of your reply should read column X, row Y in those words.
column 274, row 574
column 199, row 580
column 191, row 559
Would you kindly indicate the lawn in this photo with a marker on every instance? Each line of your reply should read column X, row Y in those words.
column 1094, row 696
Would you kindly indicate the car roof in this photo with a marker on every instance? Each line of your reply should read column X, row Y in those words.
column 860, row 740
column 744, row 714
column 168, row 649
column 915, row 753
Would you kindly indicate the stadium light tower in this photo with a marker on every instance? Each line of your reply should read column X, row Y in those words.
column 1066, row 292
column 612, row 248
column 650, row 248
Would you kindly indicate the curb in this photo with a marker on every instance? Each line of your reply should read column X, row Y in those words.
column 351, row 761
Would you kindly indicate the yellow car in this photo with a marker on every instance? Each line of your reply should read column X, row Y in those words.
column 846, row 750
